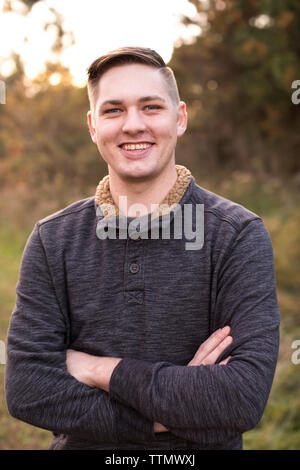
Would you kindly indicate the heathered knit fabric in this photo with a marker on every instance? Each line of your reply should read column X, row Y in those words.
column 78, row 291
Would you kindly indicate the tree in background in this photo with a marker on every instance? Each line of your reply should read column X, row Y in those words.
column 47, row 158
column 46, row 154
column 57, row 21
column 236, row 78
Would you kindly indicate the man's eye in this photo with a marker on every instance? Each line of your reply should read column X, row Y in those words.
column 112, row 111
column 152, row 107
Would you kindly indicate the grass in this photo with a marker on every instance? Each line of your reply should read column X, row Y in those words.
column 14, row 434
column 279, row 428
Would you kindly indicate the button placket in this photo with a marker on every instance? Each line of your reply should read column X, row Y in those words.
column 134, row 272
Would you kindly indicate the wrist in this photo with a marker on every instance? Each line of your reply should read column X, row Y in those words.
column 102, row 372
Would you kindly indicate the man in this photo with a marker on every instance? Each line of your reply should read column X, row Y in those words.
column 120, row 340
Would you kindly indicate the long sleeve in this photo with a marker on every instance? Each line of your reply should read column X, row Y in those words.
column 212, row 403
column 39, row 389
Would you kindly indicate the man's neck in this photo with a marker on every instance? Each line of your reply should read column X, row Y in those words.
column 145, row 193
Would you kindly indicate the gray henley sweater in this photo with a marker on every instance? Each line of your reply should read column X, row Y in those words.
column 151, row 302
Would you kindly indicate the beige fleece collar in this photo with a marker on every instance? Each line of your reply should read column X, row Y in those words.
column 104, row 200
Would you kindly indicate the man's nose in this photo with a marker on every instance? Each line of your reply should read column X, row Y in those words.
column 133, row 122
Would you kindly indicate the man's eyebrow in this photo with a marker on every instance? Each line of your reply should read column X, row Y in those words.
column 113, row 102
column 140, row 100
column 151, row 98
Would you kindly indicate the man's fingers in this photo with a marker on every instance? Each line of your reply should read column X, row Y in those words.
column 216, row 353
column 213, row 345
column 223, row 363
column 212, row 357
column 159, row 427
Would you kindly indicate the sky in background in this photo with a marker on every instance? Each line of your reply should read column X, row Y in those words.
column 97, row 26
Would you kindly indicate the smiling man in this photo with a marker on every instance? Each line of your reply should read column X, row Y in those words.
column 135, row 120
column 136, row 342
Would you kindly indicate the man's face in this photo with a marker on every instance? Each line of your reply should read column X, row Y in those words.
column 135, row 123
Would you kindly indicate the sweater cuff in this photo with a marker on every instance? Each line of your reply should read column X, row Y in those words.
column 131, row 426
column 124, row 389
column 131, row 383
column 124, row 385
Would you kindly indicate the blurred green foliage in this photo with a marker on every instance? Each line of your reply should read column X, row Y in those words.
column 236, row 78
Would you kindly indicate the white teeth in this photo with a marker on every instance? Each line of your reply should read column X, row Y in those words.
column 135, row 146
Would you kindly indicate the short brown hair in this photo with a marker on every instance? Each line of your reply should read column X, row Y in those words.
column 131, row 55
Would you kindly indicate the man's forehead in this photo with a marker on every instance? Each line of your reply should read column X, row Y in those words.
column 138, row 80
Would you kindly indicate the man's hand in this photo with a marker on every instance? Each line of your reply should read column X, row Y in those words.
column 94, row 371
column 212, row 348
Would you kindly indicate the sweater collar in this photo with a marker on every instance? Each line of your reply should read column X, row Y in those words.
column 104, row 200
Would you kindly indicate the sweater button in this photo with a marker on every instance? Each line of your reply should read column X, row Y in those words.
column 134, row 268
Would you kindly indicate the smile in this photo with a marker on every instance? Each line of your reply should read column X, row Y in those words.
column 139, row 146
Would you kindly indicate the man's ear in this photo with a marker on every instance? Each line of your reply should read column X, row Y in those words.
column 91, row 125
column 181, row 118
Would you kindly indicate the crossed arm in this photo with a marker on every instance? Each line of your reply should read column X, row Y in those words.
column 97, row 371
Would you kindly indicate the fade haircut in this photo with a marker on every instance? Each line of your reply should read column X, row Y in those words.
column 130, row 55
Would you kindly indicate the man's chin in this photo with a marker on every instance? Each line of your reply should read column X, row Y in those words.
column 138, row 174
